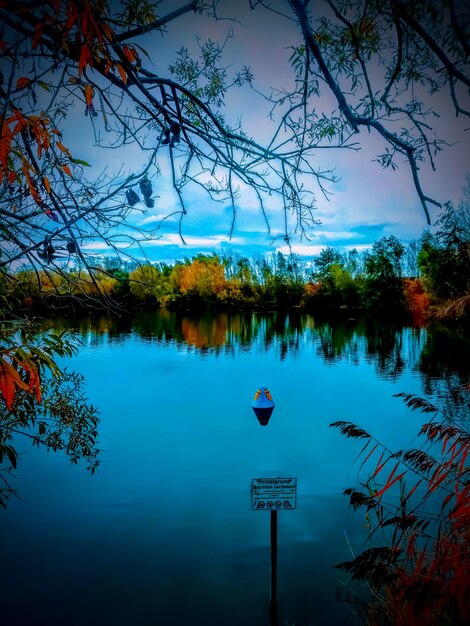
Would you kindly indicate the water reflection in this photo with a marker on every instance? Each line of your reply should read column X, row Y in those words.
column 164, row 532
column 438, row 352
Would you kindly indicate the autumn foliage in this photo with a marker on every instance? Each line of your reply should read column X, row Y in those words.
column 18, row 371
column 31, row 149
column 417, row 300
column 40, row 402
column 420, row 499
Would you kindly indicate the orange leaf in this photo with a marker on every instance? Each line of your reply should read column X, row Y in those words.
column 88, row 91
column 63, row 149
column 47, row 184
column 66, row 169
column 122, row 73
column 9, row 381
column 31, row 185
column 33, row 377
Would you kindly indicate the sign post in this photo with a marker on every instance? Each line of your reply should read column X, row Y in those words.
column 273, row 494
column 273, row 533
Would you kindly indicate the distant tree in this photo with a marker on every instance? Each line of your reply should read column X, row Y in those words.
column 337, row 287
column 203, row 277
column 383, row 273
column 243, row 271
column 410, row 259
column 284, row 284
column 323, row 264
column 353, row 262
column 144, row 283
column 444, row 258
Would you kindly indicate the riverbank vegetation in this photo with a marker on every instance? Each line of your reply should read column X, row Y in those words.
column 429, row 276
column 417, row 514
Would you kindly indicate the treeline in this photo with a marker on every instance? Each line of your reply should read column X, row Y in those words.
column 390, row 277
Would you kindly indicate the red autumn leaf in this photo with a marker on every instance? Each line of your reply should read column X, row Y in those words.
column 85, row 59
column 106, row 31
column 47, row 184
column 131, row 54
column 72, row 16
column 37, row 34
column 22, row 82
column 5, row 147
column 67, row 170
column 85, row 15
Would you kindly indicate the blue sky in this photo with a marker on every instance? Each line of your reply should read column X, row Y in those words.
column 367, row 202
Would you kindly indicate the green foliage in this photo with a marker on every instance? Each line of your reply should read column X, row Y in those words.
column 148, row 283
column 383, row 286
column 338, row 288
column 323, row 264
column 376, row 280
column 40, row 402
column 444, row 258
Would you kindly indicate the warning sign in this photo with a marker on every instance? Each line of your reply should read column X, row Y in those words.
column 273, row 493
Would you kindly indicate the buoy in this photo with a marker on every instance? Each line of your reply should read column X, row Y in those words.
column 263, row 405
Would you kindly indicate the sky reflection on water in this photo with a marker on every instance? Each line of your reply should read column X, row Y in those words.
column 164, row 533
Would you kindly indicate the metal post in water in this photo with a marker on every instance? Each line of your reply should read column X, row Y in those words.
column 274, row 612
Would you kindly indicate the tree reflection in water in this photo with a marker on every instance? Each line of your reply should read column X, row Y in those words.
column 438, row 352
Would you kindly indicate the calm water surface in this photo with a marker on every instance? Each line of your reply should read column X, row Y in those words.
column 164, row 534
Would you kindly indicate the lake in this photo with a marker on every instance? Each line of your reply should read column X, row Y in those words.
column 164, row 533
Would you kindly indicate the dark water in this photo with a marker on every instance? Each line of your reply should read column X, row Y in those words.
column 164, row 534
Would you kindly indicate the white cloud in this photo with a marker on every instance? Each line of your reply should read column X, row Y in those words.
column 95, row 245
column 301, row 249
column 334, row 235
column 193, row 241
column 152, row 219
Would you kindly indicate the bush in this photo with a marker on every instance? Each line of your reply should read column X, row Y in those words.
column 419, row 576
